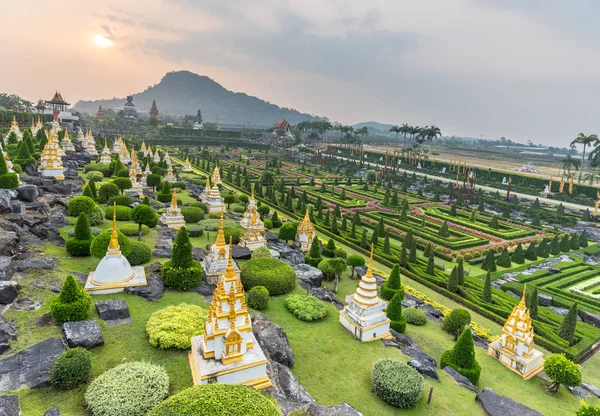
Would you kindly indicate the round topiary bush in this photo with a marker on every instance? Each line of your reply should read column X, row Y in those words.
column 233, row 233
column 140, row 253
column 201, row 205
column 99, row 167
column 263, row 251
column 124, row 200
column 174, row 326
column 78, row 248
column 192, row 214
column 276, row 275
column 180, row 185
column 415, row 316
column 195, row 230
column 9, row 180
column 123, row 213
column 397, row 383
column 456, row 320
column 71, row 304
column 80, row 204
column 217, row 399
column 212, row 224
column 107, row 191
column 258, row 298
column 131, row 389
column 96, row 217
column 100, row 244
column 268, row 223
column 131, row 230
column 306, row 307
column 71, row 368
column 95, row 176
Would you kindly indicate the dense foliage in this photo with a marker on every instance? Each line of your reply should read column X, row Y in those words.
column 100, row 244
column 415, row 316
column 72, row 303
column 456, row 320
column 71, row 368
column 173, row 326
column 462, row 357
column 181, row 272
column 306, row 307
column 140, row 253
column 397, row 383
column 276, row 275
column 258, row 298
column 80, row 204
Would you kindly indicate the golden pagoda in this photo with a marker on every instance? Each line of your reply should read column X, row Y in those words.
column 251, row 205
column 305, row 233
column 136, row 186
column 187, row 166
column 143, row 148
column 35, row 127
column 215, row 262
column 14, row 128
column 105, row 157
column 135, row 164
column 364, row 316
column 172, row 218
column 214, row 201
column 50, row 161
column 39, row 125
column 205, row 191
column 170, row 176
column 148, row 151
column 216, row 176
column 66, row 142
column 228, row 352
column 124, row 155
column 514, row 348
column 255, row 235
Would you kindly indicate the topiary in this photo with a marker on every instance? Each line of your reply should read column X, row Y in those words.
column 96, row 217
column 200, row 205
column 174, row 326
column 258, row 298
column 313, row 258
column 562, row 371
column 140, row 253
column 124, row 200
column 80, row 204
column 9, row 181
column 131, row 230
column 456, row 320
column 267, row 222
column 305, row 307
column 260, row 252
column 192, row 214
column 394, row 313
column 587, row 410
column 181, row 272
column 217, row 399
column 462, row 357
column 131, row 389
column 71, row 304
column 95, row 176
column 195, row 230
column 393, row 285
column 276, row 275
column 415, row 316
column 71, row 368
column 78, row 248
column 396, row 383
column 100, row 244
column 107, row 191
column 233, row 234
column 123, row 213
column 329, row 248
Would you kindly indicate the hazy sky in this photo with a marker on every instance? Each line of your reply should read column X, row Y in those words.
column 519, row 69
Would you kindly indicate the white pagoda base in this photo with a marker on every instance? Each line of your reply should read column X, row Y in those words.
column 138, row 279
column 53, row 173
column 526, row 367
column 366, row 323
column 213, row 269
column 252, row 244
column 170, row 179
column 172, row 221
column 251, row 371
column 214, row 208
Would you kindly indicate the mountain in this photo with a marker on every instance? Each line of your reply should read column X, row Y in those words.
column 374, row 125
column 183, row 92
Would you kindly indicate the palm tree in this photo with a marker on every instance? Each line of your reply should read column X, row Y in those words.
column 592, row 177
column 570, row 162
column 405, row 130
column 585, row 141
column 422, row 135
column 396, row 129
column 433, row 133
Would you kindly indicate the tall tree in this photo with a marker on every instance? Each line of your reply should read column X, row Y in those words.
column 585, row 141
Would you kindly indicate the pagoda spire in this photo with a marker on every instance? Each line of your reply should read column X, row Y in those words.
column 221, row 233
column 230, row 274
column 252, row 187
column 114, row 236
column 366, row 293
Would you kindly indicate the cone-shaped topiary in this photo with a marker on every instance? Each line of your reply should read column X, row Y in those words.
column 494, row 223
column 504, row 259
column 518, row 255
column 583, row 242
column 531, row 252
column 393, row 285
column 462, row 357
column 87, row 192
column 82, row 228
column 487, row 289
column 452, row 284
column 182, row 272
column 490, row 262
column 533, row 303
column 430, row 264
column 394, row 313
column 460, row 272
column 567, row 328
column 72, row 303
column 443, row 232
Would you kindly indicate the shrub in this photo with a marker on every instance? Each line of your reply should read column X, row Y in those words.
column 95, row 176
column 456, row 320
column 131, row 389
column 568, row 326
column 100, row 244
column 258, row 298
column 71, row 304
column 192, row 214
column 306, row 307
column 287, row 231
column 124, row 200
column 107, row 191
column 194, row 230
column 78, row 248
column 123, row 213
column 587, row 410
column 180, row 185
column 98, row 167
column 415, row 316
column 340, row 253
column 397, row 383
column 462, row 357
column 140, row 253
column 80, row 204
column 276, row 275
column 182, row 272
column 131, row 230
column 212, row 224
column 200, row 205
column 393, row 285
column 268, row 223
column 394, row 313
column 9, row 181
column 174, row 326
column 217, row 399
column 233, row 233
column 96, row 217
column 71, row 368
column 93, row 230
column 329, row 248
column 562, row 371
column 260, row 252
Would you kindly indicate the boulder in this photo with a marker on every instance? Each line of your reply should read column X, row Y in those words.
column 8, row 292
column 5, row 199
column 402, row 339
column 40, row 284
column 155, row 287
column 53, row 412
column 9, row 405
column 86, row 334
column 281, row 246
column 111, row 310
column 460, row 379
column 409, row 303
column 495, row 405
column 343, row 409
column 579, row 392
column 414, row 352
column 31, row 367
column 286, row 389
column 271, row 237
column 198, row 254
column 7, row 268
column 432, row 313
column 424, row 368
column 204, row 289
column 591, row 389
column 293, row 257
column 273, row 340
column 17, row 207
column 8, row 243
column 327, row 295
column 238, row 252
column 8, row 332
column 308, row 275
column 164, row 244
column 46, row 320
column 42, row 262
column 544, row 300
column 590, row 318
column 162, row 254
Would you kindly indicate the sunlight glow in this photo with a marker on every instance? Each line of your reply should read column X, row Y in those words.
column 101, row 41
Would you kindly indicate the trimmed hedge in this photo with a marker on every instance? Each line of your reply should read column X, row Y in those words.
column 94, row 175
column 180, row 278
column 415, row 316
column 78, row 248
column 80, row 204
column 275, row 275
column 217, row 399
column 123, row 213
column 456, row 320
column 131, row 389
column 140, row 253
column 194, row 230
column 107, row 191
column 71, row 304
column 71, row 368
column 462, row 357
column 96, row 217
column 258, row 298
column 396, row 383
column 234, row 233
column 131, row 230
column 100, row 244
column 9, row 181
column 174, row 326
column 306, row 307
column 124, row 200
column 192, row 214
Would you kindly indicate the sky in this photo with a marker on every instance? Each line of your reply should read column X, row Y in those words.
column 525, row 70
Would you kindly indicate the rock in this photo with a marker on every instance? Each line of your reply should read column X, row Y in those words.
column 162, row 254
column 53, row 412
column 86, row 334
column 8, row 292
column 204, row 289
column 460, row 379
column 46, row 320
column 26, row 305
column 343, row 409
column 238, row 252
column 198, row 254
column 432, row 313
column 5, row 199
column 31, row 367
column 8, row 332
column 273, row 340
column 561, row 311
column 495, row 405
column 424, row 368
column 414, row 352
column 42, row 262
column 590, row 318
column 7, row 268
column 389, row 343
column 308, row 275
column 155, row 287
column 402, row 339
column 286, row 389
column 294, row 257
column 9, row 405
column 164, row 244
column 544, row 300
column 579, row 392
column 17, row 207
column 110, row 310
column 409, row 303
column 327, row 295
column 280, row 246
column 8, row 243
column 591, row 389
column 271, row 237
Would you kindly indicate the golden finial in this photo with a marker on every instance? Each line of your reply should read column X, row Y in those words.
column 522, row 303
column 229, row 271
column 105, row 143
column 174, row 199
column 66, row 133
column 252, row 187
column 207, row 183
column 114, row 237
column 306, row 216
column 221, row 233
column 369, row 272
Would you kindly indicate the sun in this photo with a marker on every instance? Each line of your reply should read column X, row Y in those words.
column 101, row 41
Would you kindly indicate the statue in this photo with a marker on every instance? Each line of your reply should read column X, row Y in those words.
column 504, row 182
column 444, row 169
column 547, row 190
column 419, row 166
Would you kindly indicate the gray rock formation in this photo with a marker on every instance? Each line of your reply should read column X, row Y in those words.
column 273, row 340
column 8, row 332
column 495, row 405
column 460, row 379
column 287, row 390
column 8, row 243
column 42, row 262
column 53, row 412
column 111, row 310
column 155, row 287
column 8, row 292
column 9, row 405
column 343, row 409
column 424, row 368
column 85, row 334
column 7, row 268
column 238, row 252
column 308, row 276
column 327, row 295
column 28, row 193
column 590, row 318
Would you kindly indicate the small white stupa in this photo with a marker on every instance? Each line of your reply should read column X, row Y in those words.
column 215, row 262
column 114, row 273
column 255, row 235
column 216, row 176
column 105, row 157
column 305, row 233
column 172, row 218
column 166, row 157
column 206, row 191
column 248, row 213
column 136, row 186
column 170, row 176
column 156, row 157
column 66, row 143
column 214, row 201
column 364, row 316
column 187, row 166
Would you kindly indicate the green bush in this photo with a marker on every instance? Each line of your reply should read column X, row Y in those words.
column 587, row 410
column 233, row 233
column 174, row 326
column 124, row 200
column 393, row 285
column 164, row 198
column 306, row 307
column 140, row 253
column 80, row 204
column 123, row 213
column 462, row 357
column 78, row 248
column 562, row 371
column 394, row 313
column 94, row 175
column 415, row 316
column 192, row 214
column 396, row 383
column 107, row 191
column 217, row 399
column 96, row 217
column 100, row 244
column 200, row 205
column 93, row 230
column 71, row 304
column 131, row 389
column 258, row 298
column 194, row 230
column 263, row 251
column 9, row 181
column 456, row 320
column 131, row 230
column 180, row 185
column 212, row 224
column 71, row 368
column 268, row 223
column 181, row 278
column 276, row 275
column 99, row 167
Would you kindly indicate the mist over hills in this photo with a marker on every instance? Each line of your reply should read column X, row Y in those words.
column 182, row 92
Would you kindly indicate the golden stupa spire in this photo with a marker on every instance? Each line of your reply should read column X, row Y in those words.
column 229, row 271
column 522, row 303
column 14, row 122
column 306, row 216
column 369, row 272
column 252, row 187
column 114, row 236
column 105, row 143
column 66, row 136
column 221, row 233
column 207, row 186
column 174, row 199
